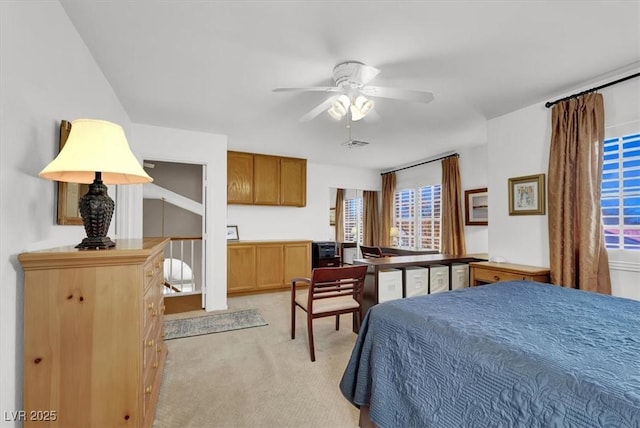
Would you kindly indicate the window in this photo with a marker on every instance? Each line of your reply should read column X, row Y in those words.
column 353, row 220
column 417, row 217
column 620, row 199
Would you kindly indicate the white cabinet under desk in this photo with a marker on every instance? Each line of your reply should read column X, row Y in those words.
column 438, row 279
column 389, row 284
column 416, row 281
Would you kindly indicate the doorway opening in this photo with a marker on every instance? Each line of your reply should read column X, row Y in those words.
column 173, row 207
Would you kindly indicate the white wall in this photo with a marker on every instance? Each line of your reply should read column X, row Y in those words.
column 176, row 145
column 474, row 175
column 518, row 144
column 309, row 222
column 46, row 75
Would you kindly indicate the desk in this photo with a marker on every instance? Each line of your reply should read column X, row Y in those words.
column 399, row 262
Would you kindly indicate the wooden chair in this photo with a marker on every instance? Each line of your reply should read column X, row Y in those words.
column 373, row 252
column 332, row 291
column 370, row 252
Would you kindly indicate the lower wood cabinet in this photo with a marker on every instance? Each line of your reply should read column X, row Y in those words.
column 255, row 266
column 93, row 334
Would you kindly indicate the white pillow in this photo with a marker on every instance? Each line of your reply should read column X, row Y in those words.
column 177, row 270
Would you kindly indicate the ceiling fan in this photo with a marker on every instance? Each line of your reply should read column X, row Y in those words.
column 352, row 92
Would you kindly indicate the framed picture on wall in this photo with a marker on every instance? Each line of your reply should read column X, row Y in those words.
column 527, row 195
column 476, row 208
column 332, row 216
column 232, row 233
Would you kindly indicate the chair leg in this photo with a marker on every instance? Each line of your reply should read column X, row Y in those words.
column 293, row 318
column 337, row 322
column 310, row 333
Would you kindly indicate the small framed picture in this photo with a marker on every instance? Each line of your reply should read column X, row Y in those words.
column 232, row 233
column 332, row 216
column 526, row 195
column 476, row 212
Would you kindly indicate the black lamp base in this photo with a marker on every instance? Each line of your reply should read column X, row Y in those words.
column 96, row 243
column 96, row 209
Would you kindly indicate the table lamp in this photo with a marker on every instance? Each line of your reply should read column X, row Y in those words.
column 354, row 232
column 393, row 233
column 96, row 152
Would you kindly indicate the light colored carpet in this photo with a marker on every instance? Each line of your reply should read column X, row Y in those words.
column 212, row 323
column 259, row 377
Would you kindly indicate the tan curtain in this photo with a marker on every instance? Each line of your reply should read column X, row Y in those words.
column 388, row 193
column 452, row 232
column 339, row 215
column 577, row 251
column 370, row 218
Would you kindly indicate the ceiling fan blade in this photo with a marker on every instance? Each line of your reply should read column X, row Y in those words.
column 398, row 94
column 323, row 106
column 311, row 88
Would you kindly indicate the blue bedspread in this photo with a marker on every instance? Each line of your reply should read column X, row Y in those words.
column 512, row 354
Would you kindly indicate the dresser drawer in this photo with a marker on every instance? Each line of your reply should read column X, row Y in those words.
column 489, row 275
column 153, row 271
column 153, row 307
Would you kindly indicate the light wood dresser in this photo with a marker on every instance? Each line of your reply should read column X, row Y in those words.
column 489, row 272
column 93, row 335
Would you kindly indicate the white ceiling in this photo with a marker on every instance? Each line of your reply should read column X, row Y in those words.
column 211, row 66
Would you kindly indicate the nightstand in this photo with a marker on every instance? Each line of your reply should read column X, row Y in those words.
column 489, row 272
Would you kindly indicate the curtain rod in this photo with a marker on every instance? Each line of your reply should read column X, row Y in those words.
column 421, row 163
column 550, row 103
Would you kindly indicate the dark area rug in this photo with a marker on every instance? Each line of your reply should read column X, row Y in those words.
column 214, row 323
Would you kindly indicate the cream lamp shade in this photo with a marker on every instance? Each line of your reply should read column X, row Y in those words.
column 96, row 145
column 360, row 107
column 96, row 152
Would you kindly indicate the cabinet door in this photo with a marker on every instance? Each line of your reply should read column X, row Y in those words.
column 266, row 180
column 297, row 261
column 269, row 266
column 239, row 178
column 293, row 182
column 241, row 268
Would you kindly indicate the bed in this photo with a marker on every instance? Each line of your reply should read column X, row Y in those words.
column 511, row 354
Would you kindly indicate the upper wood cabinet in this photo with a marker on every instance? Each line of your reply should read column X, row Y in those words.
column 257, row 179
column 266, row 180
column 239, row 178
column 293, row 182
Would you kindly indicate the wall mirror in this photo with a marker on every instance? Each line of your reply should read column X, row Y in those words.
column 69, row 193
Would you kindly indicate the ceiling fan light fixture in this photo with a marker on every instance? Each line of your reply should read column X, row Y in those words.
column 360, row 107
column 341, row 104
column 334, row 113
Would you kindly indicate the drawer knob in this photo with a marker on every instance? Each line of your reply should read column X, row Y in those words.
column 150, row 305
column 149, row 273
column 148, row 389
column 150, row 343
column 154, row 365
column 496, row 278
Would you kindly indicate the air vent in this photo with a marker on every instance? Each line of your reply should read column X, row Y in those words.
column 354, row 143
